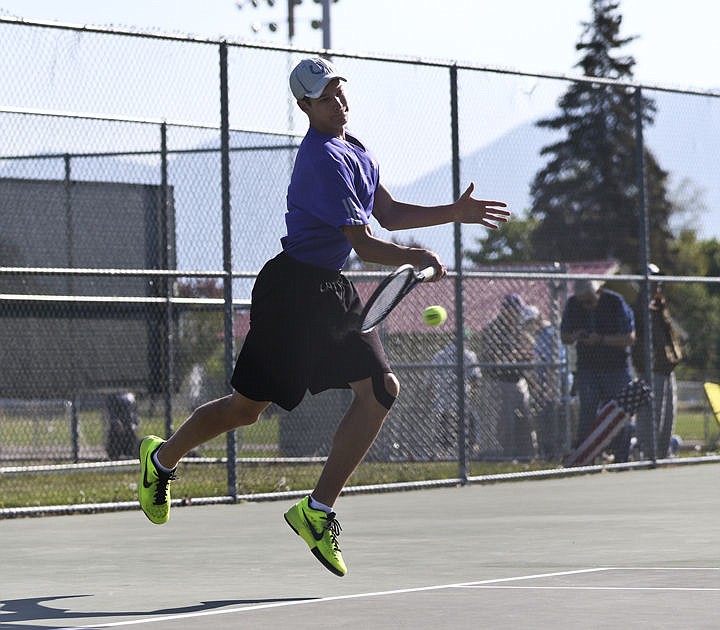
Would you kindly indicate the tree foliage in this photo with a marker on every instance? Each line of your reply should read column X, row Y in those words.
column 586, row 197
column 696, row 306
column 511, row 244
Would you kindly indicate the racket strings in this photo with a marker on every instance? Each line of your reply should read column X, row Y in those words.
column 385, row 300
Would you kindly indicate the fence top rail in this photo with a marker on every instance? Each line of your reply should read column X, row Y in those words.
column 92, row 271
column 420, row 61
column 56, row 113
column 119, row 299
column 151, row 152
column 355, row 274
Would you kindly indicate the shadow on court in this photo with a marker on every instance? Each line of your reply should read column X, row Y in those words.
column 15, row 611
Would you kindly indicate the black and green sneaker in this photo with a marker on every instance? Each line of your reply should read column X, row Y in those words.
column 154, row 484
column 320, row 531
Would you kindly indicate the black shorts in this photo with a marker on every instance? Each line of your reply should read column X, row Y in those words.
column 303, row 335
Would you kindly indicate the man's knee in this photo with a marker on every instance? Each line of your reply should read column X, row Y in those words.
column 244, row 410
column 386, row 388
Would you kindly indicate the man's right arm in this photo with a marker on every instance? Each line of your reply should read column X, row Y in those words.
column 376, row 250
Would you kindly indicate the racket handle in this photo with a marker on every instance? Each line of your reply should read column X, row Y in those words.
column 427, row 273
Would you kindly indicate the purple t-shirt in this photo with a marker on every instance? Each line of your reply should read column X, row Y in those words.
column 332, row 185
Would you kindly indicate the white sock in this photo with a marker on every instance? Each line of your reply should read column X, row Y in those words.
column 158, row 465
column 316, row 505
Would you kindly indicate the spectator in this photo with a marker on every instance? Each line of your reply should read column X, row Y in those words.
column 506, row 352
column 666, row 354
column 444, row 397
column 546, row 385
column 602, row 326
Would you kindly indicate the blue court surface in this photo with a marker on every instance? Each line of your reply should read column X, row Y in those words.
column 616, row 549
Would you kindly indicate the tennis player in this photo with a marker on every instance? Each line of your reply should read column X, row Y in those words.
column 303, row 308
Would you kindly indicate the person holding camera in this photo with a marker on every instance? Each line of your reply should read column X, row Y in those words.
column 601, row 324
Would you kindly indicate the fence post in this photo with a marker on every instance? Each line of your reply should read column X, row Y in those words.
column 227, row 257
column 462, row 429
column 167, row 261
column 644, row 233
column 74, row 418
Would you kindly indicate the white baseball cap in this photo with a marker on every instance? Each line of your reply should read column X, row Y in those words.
column 529, row 313
column 310, row 77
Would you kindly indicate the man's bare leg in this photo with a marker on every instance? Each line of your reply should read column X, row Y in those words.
column 354, row 437
column 208, row 421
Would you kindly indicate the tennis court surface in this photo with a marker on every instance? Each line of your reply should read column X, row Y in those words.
column 616, row 549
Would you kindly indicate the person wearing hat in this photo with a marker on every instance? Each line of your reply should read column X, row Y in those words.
column 601, row 325
column 666, row 355
column 506, row 351
column 304, row 310
column 441, row 389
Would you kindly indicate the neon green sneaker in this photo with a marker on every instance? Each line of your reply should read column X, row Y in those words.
column 320, row 531
column 154, row 485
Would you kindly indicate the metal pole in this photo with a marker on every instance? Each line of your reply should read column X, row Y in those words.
column 227, row 256
column 644, row 247
column 326, row 24
column 75, row 429
column 69, row 221
column 74, row 418
column 291, row 20
column 462, row 428
column 167, row 262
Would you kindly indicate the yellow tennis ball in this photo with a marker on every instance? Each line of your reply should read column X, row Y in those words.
column 434, row 315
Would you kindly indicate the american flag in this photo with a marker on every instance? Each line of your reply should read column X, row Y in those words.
column 610, row 420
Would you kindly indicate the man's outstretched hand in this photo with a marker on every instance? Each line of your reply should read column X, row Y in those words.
column 487, row 213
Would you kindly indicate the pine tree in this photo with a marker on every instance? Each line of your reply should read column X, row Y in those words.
column 586, row 197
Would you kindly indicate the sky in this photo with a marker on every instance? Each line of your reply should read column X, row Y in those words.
column 674, row 48
column 677, row 44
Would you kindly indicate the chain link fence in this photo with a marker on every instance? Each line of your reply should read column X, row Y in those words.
column 142, row 186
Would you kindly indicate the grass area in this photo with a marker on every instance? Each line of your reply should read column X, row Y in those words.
column 81, row 487
column 696, row 426
column 196, row 480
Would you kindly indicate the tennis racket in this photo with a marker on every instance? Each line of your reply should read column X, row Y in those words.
column 389, row 294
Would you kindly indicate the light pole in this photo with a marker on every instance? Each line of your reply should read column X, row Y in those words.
column 291, row 19
column 326, row 23
column 323, row 23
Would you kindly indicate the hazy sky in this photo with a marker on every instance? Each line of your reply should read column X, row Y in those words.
column 677, row 43
column 674, row 48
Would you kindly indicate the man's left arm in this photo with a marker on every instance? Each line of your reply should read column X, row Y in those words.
column 398, row 215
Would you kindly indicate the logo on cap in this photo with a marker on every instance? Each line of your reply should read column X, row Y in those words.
column 310, row 77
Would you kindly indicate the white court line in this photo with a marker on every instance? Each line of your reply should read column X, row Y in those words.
column 493, row 583
column 610, row 588
column 593, row 588
column 227, row 611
